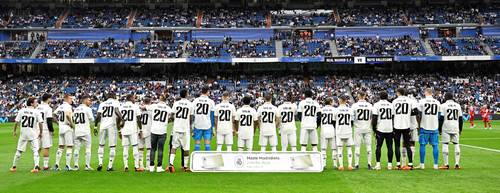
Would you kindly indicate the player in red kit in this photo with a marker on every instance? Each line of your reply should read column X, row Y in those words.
column 485, row 113
column 471, row 115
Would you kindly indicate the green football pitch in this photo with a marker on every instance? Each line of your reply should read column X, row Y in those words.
column 480, row 173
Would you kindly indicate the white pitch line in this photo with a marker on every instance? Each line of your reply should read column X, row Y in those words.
column 482, row 148
column 484, row 138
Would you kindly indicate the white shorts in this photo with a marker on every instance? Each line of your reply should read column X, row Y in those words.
column 21, row 144
column 145, row 142
column 110, row 133
column 414, row 135
column 129, row 140
column 289, row 138
column 450, row 137
column 271, row 139
column 46, row 141
column 248, row 143
column 85, row 140
column 308, row 135
column 181, row 140
column 365, row 138
column 66, row 138
column 344, row 141
column 325, row 142
column 224, row 139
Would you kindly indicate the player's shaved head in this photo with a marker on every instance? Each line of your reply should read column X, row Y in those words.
column 46, row 97
column 383, row 95
column 308, row 93
column 401, row 91
column 246, row 100
column 183, row 93
column 448, row 96
column 163, row 97
column 268, row 97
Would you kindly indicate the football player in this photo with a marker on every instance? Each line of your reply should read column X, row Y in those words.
column 309, row 116
column 267, row 125
column 362, row 128
column 224, row 122
column 31, row 122
column 145, row 133
column 183, row 119
column 64, row 114
column 286, row 122
column 48, row 129
column 328, row 132
column 204, row 107
column 429, row 123
column 109, row 117
column 450, row 127
column 82, row 117
column 160, row 113
column 129, row 129
column 404, row 108
column 382, row 122
column 343, row 125
column 247, row 123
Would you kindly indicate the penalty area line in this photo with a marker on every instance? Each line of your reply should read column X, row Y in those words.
column 482, row 148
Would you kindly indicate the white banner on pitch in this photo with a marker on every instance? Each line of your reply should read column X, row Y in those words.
column 255, row 161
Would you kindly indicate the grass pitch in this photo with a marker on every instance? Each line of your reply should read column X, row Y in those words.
column 480, row 173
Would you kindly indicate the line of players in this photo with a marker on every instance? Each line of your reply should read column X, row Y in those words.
column 144, row 128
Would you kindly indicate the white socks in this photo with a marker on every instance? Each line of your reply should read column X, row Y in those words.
column 69, row 152
column 58, row 156
column 112, row 153
column 17, row 156
column 445, row 154
column 125, row 156
column 100, row 154
column 457, row 154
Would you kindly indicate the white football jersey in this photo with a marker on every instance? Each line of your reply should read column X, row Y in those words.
column 146, row 121
column 203, row 106
column 46, row 112
column 108, row 114
column 267, row 118
column 246, row 116
column 62, row 112
column 160, row 112
column 402, row 108
column 384, row 111
column 82, row 117
column 362, row 116
column 343, row 119
column 286, row 113
column 224, row 113
column 429, row 108
column 183, row 109
column 451, row 111
column 130, row 112
column 29, row 118
column 309, row 109
column 327, row 118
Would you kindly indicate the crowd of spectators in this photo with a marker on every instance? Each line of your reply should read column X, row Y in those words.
column 17, row 49
column 231, row 48
column 251, row 17
column 457, row 46
column 494, row 44
column 398, row 46
column 158, row 49
column 108, row 48
column 306, row 48
column 97, row 18
column 165, row 17
column 233, row 18
column 471, row 89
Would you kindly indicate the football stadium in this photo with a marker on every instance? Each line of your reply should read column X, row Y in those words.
column 249, row 96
